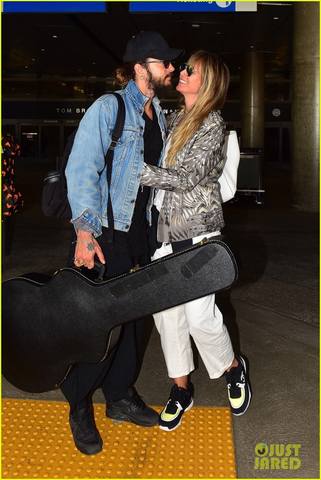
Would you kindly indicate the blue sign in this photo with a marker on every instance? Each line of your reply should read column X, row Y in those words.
column 54, row 7
column 182, row 6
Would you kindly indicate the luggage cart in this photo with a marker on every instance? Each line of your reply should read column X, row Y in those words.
column 249, row 176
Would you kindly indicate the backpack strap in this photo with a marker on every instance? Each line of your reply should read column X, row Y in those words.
column 117, row 132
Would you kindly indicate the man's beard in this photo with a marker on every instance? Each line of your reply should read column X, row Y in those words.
column 158, row 84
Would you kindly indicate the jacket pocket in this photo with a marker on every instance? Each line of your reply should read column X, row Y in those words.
column 125, row 150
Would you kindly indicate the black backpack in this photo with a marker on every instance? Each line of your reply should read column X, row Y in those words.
column 54, row 202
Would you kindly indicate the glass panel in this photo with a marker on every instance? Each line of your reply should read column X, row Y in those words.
column 30, row 141
column 286, row 146
column 49, row 148
column 271, row 145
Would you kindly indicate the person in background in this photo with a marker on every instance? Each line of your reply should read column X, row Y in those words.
column 12, row 201
column 147, row 66
column 189, row 203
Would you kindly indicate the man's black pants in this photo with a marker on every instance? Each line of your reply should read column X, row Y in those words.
column 120, row 370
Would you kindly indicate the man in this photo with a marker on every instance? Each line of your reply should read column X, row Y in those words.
column 148, row 66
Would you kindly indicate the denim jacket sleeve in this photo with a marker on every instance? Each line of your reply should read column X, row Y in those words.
column 85, row 163
column 200, row 159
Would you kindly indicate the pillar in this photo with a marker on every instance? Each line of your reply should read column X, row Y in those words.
column 252, row 100
column 305, row 107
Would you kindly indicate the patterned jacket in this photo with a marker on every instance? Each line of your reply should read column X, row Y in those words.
column 192, row 200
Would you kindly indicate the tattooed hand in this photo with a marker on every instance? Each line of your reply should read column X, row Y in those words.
column 86, row 249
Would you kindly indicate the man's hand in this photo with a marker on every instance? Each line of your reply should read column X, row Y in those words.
column 86, row 249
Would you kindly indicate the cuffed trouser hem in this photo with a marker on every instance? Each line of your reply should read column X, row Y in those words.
column 215, row 376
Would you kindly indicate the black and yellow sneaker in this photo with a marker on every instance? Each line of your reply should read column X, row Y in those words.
column 180, row 400
column 238, row 387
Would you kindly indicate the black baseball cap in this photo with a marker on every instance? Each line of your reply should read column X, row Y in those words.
column 149, row 44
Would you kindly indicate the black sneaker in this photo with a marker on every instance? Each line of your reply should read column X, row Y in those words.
column 132, row 409
column 84, row 431
column 180, row 400
column 238, row 387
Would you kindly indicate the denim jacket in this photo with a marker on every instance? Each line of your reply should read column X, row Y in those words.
column 86, row 173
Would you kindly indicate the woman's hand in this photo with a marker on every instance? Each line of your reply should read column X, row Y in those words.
column 86, row 249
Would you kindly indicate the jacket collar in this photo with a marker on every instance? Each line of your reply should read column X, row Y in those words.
column 137, row 97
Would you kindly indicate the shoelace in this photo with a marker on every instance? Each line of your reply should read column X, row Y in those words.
column 234, row 385
column 178, row 398
column 237, row 384
column 137, row 402
column 172, row 406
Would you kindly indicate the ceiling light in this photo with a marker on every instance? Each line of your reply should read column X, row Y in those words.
column 195, row 25
column 43, row 49
column 276, row 18
column 54, row 36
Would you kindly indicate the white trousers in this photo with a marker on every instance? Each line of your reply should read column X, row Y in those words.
column 202, row 320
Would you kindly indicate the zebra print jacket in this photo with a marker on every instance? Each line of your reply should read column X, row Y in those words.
column 192, row 201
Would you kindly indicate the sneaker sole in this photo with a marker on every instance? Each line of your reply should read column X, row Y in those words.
column 250, row 393
column 168, row 429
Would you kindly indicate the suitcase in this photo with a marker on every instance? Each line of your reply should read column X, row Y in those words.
column 250, row 175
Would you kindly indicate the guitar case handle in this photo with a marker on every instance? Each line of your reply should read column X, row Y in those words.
column 99, row 269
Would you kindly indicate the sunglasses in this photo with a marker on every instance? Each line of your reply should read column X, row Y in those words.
column 166, row 63
column 189, row 69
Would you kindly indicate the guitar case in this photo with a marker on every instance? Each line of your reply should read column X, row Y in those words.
column 47, row 326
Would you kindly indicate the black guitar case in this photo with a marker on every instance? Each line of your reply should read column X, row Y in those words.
column 49, row 326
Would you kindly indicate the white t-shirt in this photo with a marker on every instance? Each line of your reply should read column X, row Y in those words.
column 159, row 196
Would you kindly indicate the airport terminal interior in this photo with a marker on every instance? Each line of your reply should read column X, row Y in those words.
column 54, row 66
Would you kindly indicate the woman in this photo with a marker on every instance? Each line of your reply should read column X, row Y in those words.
column 189, row 201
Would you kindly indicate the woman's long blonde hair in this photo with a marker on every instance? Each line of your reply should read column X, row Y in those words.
column 215, row 78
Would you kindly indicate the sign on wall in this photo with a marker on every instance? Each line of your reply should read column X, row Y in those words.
column 53, row 7
column 190, row 6
column 138, row 7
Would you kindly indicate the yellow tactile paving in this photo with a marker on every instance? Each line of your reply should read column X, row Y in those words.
column 36, row 443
